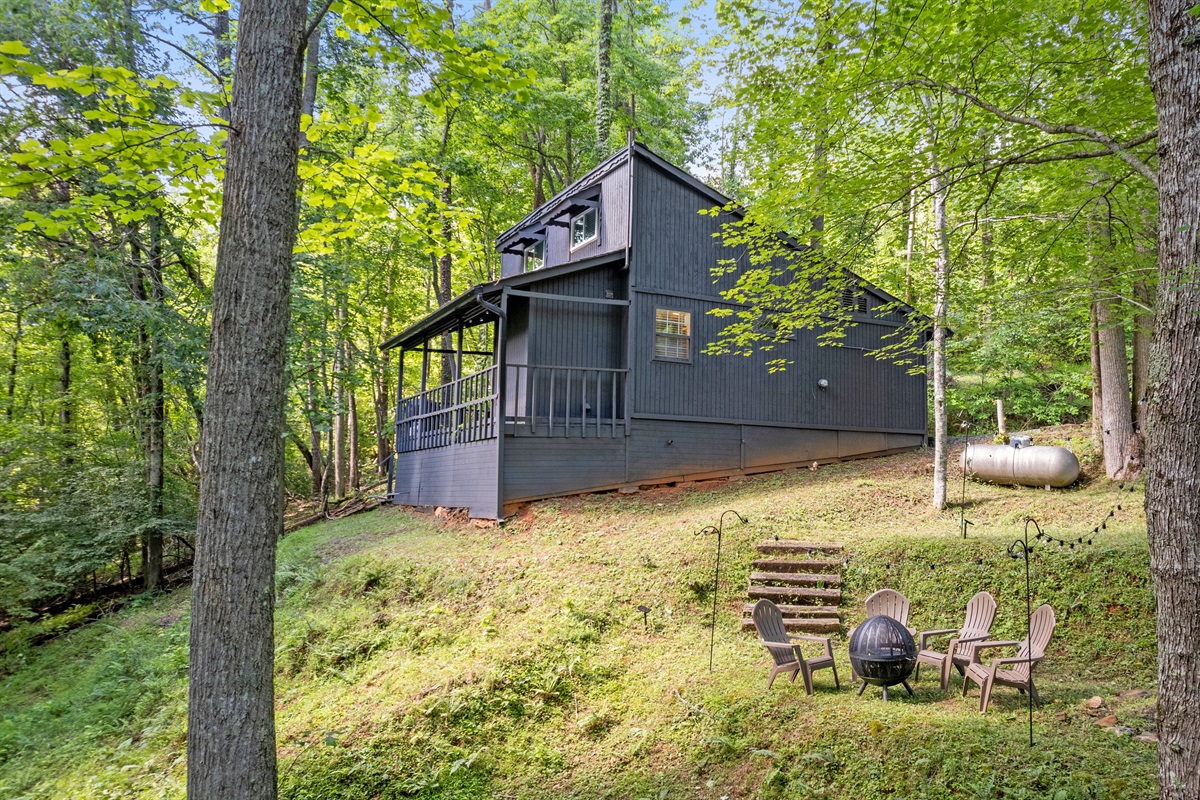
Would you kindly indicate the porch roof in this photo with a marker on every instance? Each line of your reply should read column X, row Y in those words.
column 468, row 308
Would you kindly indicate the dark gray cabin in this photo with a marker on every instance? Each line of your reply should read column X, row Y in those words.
column 595, row 375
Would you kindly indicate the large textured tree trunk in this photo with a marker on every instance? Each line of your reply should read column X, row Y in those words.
column 231, row 713
column 941, row 286
column 1173, row 470
column 604, row 104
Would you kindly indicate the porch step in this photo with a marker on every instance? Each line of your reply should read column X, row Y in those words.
column 787, row 565
column 803, row 624
column 799, row 611
column 775, row 593
column 792, row 546
column 796, row 578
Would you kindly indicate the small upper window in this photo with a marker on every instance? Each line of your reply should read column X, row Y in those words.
column 535, row 255
column 583, row 227
column 672, row 335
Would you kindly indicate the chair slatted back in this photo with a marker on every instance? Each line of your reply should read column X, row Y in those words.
column 981, row 612
column 1041, row 628
column 888, row 603
column 768, row 619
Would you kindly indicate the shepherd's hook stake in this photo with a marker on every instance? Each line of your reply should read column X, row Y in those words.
column 1018, row 549
column 717, row 529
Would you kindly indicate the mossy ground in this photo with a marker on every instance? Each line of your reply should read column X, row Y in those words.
column 422, row 658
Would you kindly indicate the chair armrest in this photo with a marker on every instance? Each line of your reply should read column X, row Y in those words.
column 1035, row 660
column 975, row 647
column 990, row 645
column 926, row 635
column 818, row 639
column 778, row 645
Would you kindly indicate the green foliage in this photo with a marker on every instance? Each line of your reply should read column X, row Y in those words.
column 1055, row 397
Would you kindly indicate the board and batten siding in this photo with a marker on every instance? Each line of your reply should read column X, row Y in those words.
column 864, row 393
column 664, row 450
column 455, row 476
column 612, row 225
column 675, row 248
column 567, row 334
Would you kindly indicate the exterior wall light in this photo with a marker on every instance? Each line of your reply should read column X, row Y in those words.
column 824, row 384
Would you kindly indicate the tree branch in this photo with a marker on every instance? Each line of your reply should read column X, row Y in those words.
column 1111, row 145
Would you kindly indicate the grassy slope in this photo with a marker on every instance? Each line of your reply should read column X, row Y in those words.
column 417, row 657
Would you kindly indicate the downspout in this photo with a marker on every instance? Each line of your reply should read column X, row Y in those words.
column 501, row 312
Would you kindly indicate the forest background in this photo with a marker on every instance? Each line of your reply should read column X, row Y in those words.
column 985, row 165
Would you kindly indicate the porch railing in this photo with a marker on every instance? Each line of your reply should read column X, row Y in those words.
column 453, row 413
column 564, row 401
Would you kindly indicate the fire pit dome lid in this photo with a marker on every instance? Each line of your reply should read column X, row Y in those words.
column 882, row 638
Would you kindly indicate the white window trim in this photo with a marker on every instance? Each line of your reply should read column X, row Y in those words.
column 571, row 227
column 689, row 336
column 525, row 256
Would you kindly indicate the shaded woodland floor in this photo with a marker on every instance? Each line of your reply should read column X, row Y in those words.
column 420, row 657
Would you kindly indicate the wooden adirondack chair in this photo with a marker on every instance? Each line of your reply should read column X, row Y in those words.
column 981, row 611
column 885, row 603
column 768, row 620
column 888, row 603
column 1020, row 675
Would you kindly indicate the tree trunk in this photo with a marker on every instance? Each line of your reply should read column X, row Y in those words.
column 1143, row 326
column 14, row 352
column 313, row 412
column 224, row 48
column 339, row 401
column 155, row 415
column 352, row 478
column 1097, row 380
column 383, row 392
column 1172, row 474
column 312, row 65
column 940, row 302
column 604, row 105
column 66, row 403
column 1114, row 389
column 231, row 713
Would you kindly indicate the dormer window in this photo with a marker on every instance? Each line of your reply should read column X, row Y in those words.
column 583, row 227
column 534, row 255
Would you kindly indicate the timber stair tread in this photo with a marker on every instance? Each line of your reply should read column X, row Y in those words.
column 794, row 546
column 803, row 579
column 787, row 565
column 772, row 592
column 796, row 578
column 803, row 624
column 798, row 611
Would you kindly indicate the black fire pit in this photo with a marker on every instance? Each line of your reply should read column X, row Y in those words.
column 883, row 653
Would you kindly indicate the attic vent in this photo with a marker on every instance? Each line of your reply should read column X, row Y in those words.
column 854, row 300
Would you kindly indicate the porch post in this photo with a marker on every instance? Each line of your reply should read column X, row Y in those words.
column 396, row 427
column 501, row 360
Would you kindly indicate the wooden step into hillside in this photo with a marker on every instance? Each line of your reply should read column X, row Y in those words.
column 803, row 579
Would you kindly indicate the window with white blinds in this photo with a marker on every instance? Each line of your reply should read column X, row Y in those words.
column 672, row 335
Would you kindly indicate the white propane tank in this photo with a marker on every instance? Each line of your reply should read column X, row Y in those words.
column 1027, row 466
